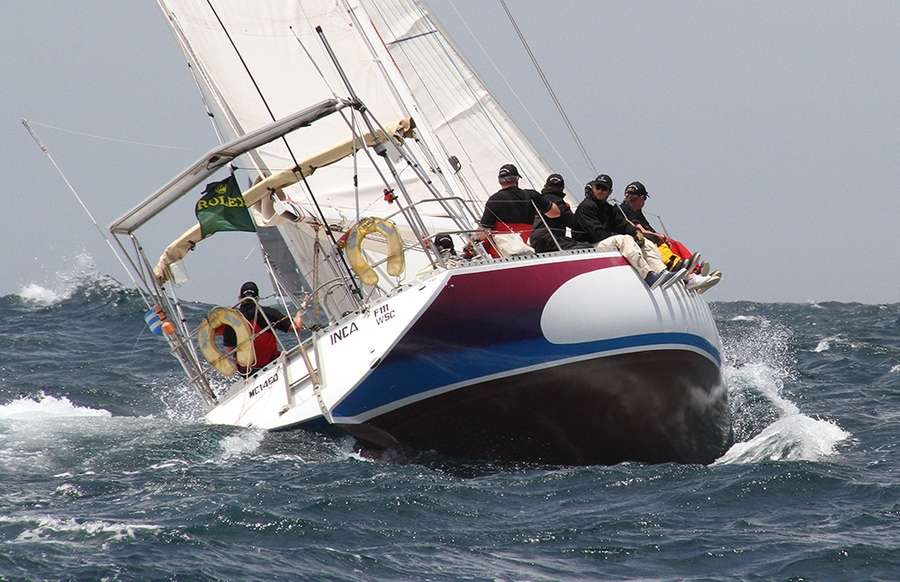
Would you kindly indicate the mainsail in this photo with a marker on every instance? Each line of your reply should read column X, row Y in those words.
column 258, row 62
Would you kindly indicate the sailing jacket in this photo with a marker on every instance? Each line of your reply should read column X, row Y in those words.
column 512, row 205
column 596, row 220
column 540, row 236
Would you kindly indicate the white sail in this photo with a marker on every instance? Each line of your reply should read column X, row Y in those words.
column 257, row 62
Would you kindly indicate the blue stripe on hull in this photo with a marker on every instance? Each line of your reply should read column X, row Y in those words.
column 400, row 378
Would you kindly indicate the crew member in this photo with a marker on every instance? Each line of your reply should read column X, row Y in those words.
column 598, row 222
column 549, row 234
column 673, row 253
column 512, row 209
column 262, row 319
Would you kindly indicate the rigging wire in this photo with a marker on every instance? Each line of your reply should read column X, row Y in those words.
column 251, row 76
column 559, row 106
column 351, row 122
column 243, row 62
column 138, row 143
column 287, row 145
column 477, row 100
column 40, row 144
column 198, row 72
column 511, row 90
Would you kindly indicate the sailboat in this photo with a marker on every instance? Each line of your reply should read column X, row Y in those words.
column 368, row 141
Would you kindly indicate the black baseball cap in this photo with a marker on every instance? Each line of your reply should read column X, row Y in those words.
column 555, row 181
column 637, row 189
column 249, row 289
column 508, row 170
column 602, row 180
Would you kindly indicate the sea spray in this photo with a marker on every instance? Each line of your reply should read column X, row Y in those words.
column 767, row 424
column 81, row 276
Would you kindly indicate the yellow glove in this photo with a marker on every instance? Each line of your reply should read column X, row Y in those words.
column 639, row 237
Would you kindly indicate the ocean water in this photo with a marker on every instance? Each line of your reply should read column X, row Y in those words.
column 109, row 472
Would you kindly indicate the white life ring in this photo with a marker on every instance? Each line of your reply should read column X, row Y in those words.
column 362, row 229
column 206, row 339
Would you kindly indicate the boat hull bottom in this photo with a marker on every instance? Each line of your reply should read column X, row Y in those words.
column 653, row 407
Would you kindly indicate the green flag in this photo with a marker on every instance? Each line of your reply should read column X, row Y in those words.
column 222, row 208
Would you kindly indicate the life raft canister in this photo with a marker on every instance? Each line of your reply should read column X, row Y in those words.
column 362, row 229
column 206, row 339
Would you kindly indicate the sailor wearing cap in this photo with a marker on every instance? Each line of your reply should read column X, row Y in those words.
column 549, row 234
column 673, row 253
column 262, row 319
column 512, row 209
column 598, row 222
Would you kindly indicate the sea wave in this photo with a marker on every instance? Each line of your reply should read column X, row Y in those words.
column 768, row 426
column 794, row 437
column 111, row 472
column 43, row 406
column 81, row 277
column 71, row 530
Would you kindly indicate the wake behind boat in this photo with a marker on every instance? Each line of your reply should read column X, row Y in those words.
column 562, row 358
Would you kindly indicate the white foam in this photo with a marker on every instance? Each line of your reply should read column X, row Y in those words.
column 761, row 378
column 46, row 407
column 69, row 490
column 49, row 528
column 81, row 273
column 242, row 443
column 755, row 381
column 796, row 437
column 34, row 294
column 744, row 318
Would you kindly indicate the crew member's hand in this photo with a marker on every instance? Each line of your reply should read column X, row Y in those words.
column 297, row 321
column 639, row 237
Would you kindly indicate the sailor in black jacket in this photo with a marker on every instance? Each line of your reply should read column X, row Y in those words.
column 541, row 238
column 512, row 209
column 632, row 207
column 600, row 223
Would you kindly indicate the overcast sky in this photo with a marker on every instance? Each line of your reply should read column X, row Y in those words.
column 766, row 132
